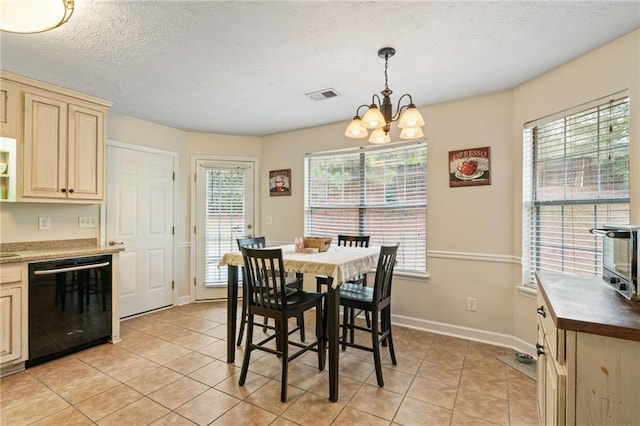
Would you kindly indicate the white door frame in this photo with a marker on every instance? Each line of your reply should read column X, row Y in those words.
column 192, row 182
column 176, row 167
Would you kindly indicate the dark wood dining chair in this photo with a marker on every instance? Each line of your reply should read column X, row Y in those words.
column 377, row 301
column 269, row 297
column 261, row 242
column 349, row 241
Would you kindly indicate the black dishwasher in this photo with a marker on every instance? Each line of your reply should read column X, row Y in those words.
column 69, row 306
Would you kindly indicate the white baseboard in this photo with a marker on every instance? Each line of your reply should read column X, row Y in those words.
column 483, row 336
column 184, row 300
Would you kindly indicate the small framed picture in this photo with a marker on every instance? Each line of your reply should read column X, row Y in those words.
column 280, row 182
column 470, row 167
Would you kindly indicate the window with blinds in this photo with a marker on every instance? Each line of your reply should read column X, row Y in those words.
column 224, row 220
column 575, row 177
column 380, row 192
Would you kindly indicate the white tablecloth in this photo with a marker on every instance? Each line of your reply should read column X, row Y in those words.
column 339, row 262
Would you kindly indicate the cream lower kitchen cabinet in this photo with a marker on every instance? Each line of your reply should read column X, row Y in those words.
column 551, row 375
column 12, row 316
column 589, row 353
column 63, row 149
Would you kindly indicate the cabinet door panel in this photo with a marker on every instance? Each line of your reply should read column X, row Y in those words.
column 45, row 156
column 9, row 107
column 86, row 153
column 10, row 326
column 607, row 380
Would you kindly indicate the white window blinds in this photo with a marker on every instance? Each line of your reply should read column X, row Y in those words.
column 224, row 220
column 377, row 192
column 575, row 177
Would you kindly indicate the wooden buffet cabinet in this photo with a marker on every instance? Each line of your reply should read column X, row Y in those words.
column 588, row 352
column 60, row 140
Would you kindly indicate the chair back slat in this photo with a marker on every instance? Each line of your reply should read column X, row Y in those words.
column 384, row 273
column 353, row 240
column 265, row 277
column 254, row 242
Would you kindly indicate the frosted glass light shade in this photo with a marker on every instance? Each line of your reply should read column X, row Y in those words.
column 411, row 117
column 373, row 118
column 34, row 16
column 355, row 129
column 411, row 133
column 378, row 136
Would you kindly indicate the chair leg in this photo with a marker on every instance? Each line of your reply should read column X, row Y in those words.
column 320, row 335
column 300, row 322
column 345, row 316
column 376, row 348
column 243, row 318
column 389, row 339
column 352, row 321
column 284, row 345
column 247, row 352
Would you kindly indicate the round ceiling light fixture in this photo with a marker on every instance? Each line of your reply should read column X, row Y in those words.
column 34, row 16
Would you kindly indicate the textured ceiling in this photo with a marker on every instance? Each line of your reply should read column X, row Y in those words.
column 244, row 67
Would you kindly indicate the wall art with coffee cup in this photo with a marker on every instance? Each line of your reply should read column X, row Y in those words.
column 280, row 182
column 470, row 167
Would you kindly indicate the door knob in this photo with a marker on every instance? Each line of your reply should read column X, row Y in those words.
column 115, row 243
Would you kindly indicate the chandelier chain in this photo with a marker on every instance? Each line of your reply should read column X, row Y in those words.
column 386, row 65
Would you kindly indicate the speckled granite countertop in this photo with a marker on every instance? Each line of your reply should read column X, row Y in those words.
column 56, row 249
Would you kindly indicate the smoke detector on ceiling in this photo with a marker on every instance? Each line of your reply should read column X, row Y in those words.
column 323, row 94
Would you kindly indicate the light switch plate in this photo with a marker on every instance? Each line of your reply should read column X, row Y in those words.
column 87, row 222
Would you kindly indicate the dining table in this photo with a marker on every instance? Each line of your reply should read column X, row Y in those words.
column 338, row 264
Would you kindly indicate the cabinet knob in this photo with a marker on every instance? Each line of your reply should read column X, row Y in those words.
column 71, row 191
column 63, row 190
column 541, row 311
column 539, row 349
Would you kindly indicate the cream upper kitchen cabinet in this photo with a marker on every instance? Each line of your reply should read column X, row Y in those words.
column 63, row 149
column 61, row 142
column 9, row 109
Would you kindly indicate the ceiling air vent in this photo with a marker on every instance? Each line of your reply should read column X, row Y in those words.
column 321, row 95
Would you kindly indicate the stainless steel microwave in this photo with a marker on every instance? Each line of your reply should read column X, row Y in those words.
column 620, row 261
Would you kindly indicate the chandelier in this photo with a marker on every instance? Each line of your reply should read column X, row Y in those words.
column 34, row 16
column 380, row 114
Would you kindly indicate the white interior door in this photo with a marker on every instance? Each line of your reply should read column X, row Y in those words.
column 224, row 212
column 139, row 214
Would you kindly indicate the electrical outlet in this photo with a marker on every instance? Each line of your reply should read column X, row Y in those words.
column 87, row 222
column 472, row 304
column 268, row 220
column 44, row 223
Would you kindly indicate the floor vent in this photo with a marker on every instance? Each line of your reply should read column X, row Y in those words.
column 321, row 95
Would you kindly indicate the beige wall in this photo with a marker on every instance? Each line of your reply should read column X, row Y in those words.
column 19, row 221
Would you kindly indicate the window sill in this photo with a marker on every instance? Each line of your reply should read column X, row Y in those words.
column 528, row 292
column 412, row 276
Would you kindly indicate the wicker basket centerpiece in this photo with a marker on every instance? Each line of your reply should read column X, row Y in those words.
column 321, row 243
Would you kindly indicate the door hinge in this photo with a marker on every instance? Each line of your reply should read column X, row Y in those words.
column 173, row 285
column 174, row 176
column 194, row 282
column 194, row 229
column 195, row 179
column 173, row 230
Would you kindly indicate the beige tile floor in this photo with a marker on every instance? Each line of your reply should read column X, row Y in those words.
column 170, row 369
